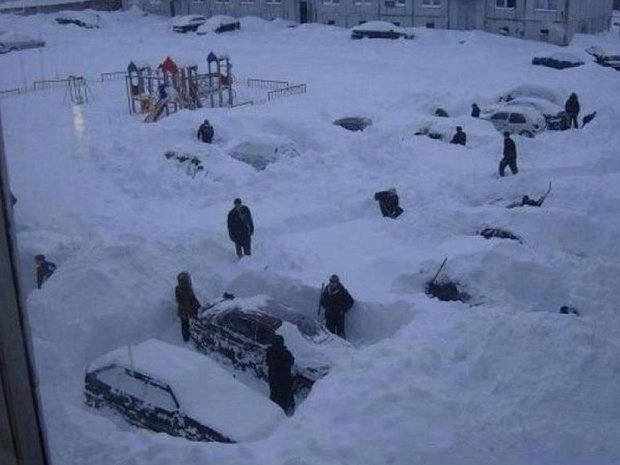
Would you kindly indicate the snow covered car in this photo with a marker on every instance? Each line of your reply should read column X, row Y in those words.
column 605, row 58
column 240, row 331
column 523, row 121
column 187, row 23
column 380, row 30
column 14, row 43
column 79, row 18
column 218, row 24
column 263, row 150
column 354, row 123
column 164, row 388
column 556, row 118
column 558, row 60
column 534, row 90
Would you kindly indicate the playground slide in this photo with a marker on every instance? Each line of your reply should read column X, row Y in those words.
column 160, row 106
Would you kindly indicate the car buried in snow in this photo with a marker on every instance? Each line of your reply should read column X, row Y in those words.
column 218, row 24
column 261, row 151
column 168, row 389
column 556, row 118
column 239, row 332
column 525, row 122
column 79, row 18
column 380, row 30
column 14, row 43
column 187, row 23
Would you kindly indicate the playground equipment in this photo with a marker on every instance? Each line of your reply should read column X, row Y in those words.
column 78, row 91
column 171, row 87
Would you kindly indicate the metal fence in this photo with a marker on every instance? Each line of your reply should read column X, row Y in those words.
column 286, row 92
column 266, row 84
column 49, row 83
column 113, row 76
column 10, row 92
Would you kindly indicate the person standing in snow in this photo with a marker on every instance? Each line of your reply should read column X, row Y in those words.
column 280, row 362
column 475, row 110
column 241, row 228
column 45, row 269
column 388, row 203
column 336, row 301
column 205, row 132
column 510, row 156
column 187, row 303
column 573, row 108
column 460, row 138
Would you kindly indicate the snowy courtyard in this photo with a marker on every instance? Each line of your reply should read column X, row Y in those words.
column 501, row 379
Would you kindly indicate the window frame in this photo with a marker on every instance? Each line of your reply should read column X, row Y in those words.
column 505, row 5
column 547, row 6
column 432, row 3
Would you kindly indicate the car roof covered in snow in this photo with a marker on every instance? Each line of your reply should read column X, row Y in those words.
column 382, row 26
column 79, row 15
column 184, row 20
column 205, row 391
column 216, row 21
column 544, row 106
column 535, row 90
column 566, row 56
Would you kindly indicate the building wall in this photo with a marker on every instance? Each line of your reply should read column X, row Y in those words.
column 101, row 5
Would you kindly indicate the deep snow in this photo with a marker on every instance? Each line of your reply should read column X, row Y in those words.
column 507, row 381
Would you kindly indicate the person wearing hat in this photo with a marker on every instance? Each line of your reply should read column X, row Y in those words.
column 187, row 303
column 205, row 132
column 460, row 137
column 388, row 203
column 510, row 156
column 280, row 362
column 241, row 228
column 336, row 301
column 45, row 269
column 475, row 110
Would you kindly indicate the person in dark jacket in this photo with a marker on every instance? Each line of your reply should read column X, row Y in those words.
column 336, row 301
column 573, row 108
column 510, row 156
column 187, row 303
column 45, row 269
column 388, row 203
column 475, row 110
column 280, row 362
column 241, row 228
column 460, row 137
column 205, row 132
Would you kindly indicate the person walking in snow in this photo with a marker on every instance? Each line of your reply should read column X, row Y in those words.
column 460, row 138
column 205, row 132
column 475, row 110
column 280, row 362
column 388, row 203
column 510, row 156
column 336, row 301
column 45, row 269
column 187, row 303
column 573, row 108
column 241, row 228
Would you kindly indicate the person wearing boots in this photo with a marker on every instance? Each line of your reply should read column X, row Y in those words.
column 336, row 301
column 187, row 303
column 510, row 156
column 241, row 228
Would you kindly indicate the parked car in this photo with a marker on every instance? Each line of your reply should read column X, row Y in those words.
column 187, row 23
column 537, row 91
column 164, row 388
column 380, row 30
column 559, row 60
column 353, row 123
column 240, row 332
column 14, row 43
column 218, row 24
column 79, row 18
column 556, row 118
column 261, row 151
column 605, row 58
column 523, row 121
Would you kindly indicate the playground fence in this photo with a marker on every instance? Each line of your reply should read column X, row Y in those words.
column 266, row 84
column 113, row 76
column 49, row 83
column 10, row 92
column 287, row 91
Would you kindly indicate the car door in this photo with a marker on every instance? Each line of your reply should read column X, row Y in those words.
column 161, row 409
column 518, row 123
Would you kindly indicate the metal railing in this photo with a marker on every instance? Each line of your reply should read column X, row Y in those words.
column 266, row 84
column 113, row 76
column 49, row 83
column 9, row 92
column 286, row 92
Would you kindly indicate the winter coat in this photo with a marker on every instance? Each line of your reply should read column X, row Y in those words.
column 280, row 362
column 510, row 149
column 475, row 112
column 205, row 133
column 388, row 203
column 187, row 303
column 459, row 138
column 572, row 106
column 337, row 301
column 240, row 225
column 44, row 271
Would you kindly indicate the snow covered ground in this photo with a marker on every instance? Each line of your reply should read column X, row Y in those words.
column 508, row 381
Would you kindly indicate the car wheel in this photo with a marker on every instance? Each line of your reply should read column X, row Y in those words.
column 526, row 134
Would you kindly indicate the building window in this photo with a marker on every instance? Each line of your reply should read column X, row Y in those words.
column 246, row 1
column 431, row 3
column 401, row 3
column 271, row 1
column 361, row 22
column 430, row 25
column 506, row 4
column 544, row 35
column 331, row 22
column 504, row 31
column 198, row 1
column 551, row 5
column 222, row 1
column 331, row 2
column 363, row 2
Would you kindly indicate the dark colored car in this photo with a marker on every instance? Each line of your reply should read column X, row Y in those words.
column 219, row 24
column 241, row 333
column 353, row 123
column 379, row 30
column 558, row 61
column 187, row 23
column 168, row 389
column 79, row 18
column 15, row 43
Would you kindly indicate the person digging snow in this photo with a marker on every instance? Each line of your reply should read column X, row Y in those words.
column 475, row 110
column 187, row 303
column 241, row 228
column 336, row 301
column 460, row 138
column 280, row 362
column 510, row 156
column 45, row 269
column 573, row 108
column 388, row 203
column 205, row 132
